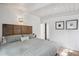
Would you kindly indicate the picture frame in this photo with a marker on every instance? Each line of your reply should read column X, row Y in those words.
column 59, row 25
column 72, row 24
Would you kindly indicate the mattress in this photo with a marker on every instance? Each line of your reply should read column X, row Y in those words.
column 32, row 47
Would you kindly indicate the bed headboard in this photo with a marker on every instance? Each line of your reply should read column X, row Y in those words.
column 10, row 29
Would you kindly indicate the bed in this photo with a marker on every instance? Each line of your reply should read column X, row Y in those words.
column 32, row 47
column 14, row 43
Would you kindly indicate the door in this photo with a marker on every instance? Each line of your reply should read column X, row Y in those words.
column 44, row 31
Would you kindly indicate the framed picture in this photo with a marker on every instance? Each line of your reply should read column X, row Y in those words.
column 72, row 24
column 59, row 25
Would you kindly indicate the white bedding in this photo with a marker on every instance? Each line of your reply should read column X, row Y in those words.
column 32, row 47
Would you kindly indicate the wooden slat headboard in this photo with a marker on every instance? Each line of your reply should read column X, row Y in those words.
column 9, row 29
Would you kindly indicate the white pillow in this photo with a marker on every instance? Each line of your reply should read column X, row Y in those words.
column 24, row 38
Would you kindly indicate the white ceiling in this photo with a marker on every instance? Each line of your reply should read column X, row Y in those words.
column 54, row 9
column 41, row 9
column 23, row 8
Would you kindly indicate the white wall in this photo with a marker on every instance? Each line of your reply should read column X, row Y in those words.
column 33, row 21
column 9, row 17
column 66, row 38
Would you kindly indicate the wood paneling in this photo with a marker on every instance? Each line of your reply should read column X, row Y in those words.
column 9, row 29
column 24, row 30
column 29, row 28
column 17, row 29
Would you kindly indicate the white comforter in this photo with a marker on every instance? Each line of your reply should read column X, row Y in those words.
column 33, row 47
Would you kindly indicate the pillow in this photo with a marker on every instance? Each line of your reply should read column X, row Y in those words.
column 29, row 35
column 24, row 38
column 12, row 38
